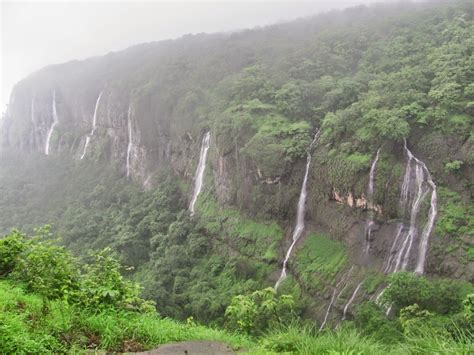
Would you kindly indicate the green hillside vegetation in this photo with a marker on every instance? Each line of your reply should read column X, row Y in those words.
column 54, row 302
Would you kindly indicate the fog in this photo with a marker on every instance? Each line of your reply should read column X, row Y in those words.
column 35, row 34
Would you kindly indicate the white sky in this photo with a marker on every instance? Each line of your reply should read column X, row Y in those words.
column 35, row 34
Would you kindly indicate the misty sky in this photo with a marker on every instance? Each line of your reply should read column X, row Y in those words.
column 35, row 34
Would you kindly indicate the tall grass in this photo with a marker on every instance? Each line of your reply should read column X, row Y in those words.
column 300, row 339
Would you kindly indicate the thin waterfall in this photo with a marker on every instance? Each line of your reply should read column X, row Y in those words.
column 199, row 177
column 299, row 227
column 130, row 142
column 334, row 298
column 94, row 124
column 33, row 122
column 392, row 253
column 370, row 197
column 33, row 110
column 348, row 304
column 51, row 129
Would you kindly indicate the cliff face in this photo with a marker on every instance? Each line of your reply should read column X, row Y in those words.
column 158, row 100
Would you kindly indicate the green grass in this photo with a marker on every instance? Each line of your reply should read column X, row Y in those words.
column 250, row 237
column 306, row 340
column 29, row 324
column 319, row 260
column 373, row 281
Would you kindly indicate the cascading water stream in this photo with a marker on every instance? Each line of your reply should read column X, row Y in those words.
column 334, row 298
column 198, row 181
column 33, row 122
column 406, row 236
column 94, row 124
column 428, row 229
column 299, row 227
column 348, row 304
column 399, row 255
column 370, row 194
column 391, row 255
column 33, row 110
column 130, row 142
column 51, row 129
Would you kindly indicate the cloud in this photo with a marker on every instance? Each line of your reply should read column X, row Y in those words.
column 35, row 34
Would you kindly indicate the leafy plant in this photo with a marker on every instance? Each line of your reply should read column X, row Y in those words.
column 453, row 166
column 255, row 313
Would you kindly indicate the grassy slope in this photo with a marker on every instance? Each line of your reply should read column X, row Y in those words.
column 28, row 324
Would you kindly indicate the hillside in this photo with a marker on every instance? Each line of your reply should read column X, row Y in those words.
column 322, row 157
column 51, row 302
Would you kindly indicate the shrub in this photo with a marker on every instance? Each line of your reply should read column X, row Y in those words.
column 453, row 166
column 439, row 296
column 255, row 313
column 103, row 285
column 370, row 319
column 10, row 248
column 48, row 269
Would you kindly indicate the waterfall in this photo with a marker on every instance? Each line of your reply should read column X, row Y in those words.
column 130, row 142
column 51, row 129
column 334, row 298
column 407, row 235
column 198, row 180
column 94, row 124
column 33, row 110
column 348, row 304
column 391, row 255
column 370, row 194
column 33, row 123
column 398, row 257
column 299, row 227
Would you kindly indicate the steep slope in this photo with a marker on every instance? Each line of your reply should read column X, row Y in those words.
column 369, row 78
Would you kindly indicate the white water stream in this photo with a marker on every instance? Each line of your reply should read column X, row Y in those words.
column 130, row 142
column 199, row 177
column 370, row 197
column 334, row 297
column 299, row 227
column 51, row 129
column 94, row 125
column 348, row 304
column 399, row 255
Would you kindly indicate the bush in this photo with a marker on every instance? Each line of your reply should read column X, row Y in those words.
column 103, row 286
column 255, row 313
column 10, row 248
column 54, row 273
column 439, row 296
column 371, row 320
column 453, row 166
column 48, row 269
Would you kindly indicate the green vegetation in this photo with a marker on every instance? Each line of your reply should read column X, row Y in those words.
column 456, row 225
column 90, row 306
column 319, row 260
column 260, row 311
column 26, row 326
